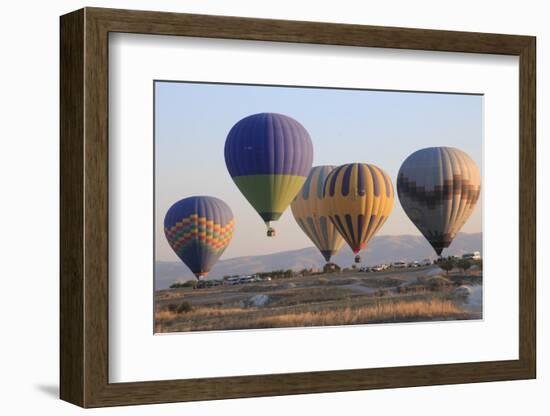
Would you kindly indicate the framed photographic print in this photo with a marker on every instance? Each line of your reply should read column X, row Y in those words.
column 255, row 207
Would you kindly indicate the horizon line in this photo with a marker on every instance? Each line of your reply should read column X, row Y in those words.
column 313, row 246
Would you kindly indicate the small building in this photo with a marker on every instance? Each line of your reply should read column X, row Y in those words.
column 474, row 255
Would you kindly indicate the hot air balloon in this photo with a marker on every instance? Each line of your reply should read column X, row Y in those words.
column 199, row 229
column 268, row 156
column 438, row 188
column 309, row 211
column 359, row 199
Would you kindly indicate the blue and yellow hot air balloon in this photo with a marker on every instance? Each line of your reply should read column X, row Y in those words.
column 269, row 156
column 359, row 199
column 199, row 229
column 309, row 210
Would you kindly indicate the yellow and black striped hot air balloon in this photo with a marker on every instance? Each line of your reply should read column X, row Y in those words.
column 438, row 188
column 309, row 210
column 359, row 199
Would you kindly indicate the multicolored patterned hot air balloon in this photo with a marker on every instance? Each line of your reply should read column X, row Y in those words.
column 268, row 156
column 309, row 210
column 438, row 188
column 359, row 200
column 199, row 229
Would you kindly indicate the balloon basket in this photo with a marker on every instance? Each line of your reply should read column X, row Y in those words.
column 357, row 259
column 271, row 232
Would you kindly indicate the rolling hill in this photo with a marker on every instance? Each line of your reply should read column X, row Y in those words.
column 382, row 249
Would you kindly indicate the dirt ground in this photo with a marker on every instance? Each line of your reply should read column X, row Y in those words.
column 406, row 295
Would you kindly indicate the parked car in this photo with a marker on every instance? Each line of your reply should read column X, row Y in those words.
column 399, row 265
column 379, row 267
column 246, row 279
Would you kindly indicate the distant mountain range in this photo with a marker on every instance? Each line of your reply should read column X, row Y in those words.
column 381, row 249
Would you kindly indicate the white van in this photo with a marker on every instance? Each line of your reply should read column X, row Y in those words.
column 246, row 279
column 399, row 265
column 232, row 280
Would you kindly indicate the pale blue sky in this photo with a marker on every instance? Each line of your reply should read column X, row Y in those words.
column 379, row 127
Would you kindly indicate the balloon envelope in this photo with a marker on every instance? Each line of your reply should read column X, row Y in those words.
column 438, row 188
column 359, row 201
column 268, row 156
column 199, row 229
column 309, row 210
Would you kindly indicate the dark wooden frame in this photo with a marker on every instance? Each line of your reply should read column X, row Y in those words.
column 84, row 209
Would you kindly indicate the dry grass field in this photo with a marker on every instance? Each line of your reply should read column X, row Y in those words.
column 321, row 300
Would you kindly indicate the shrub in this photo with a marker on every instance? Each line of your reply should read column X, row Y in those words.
column 184, row 307
column 188, row 283
column 437, row 282
column 464, row 265
column 447, row 265
column 172, row 307
column 382, row 292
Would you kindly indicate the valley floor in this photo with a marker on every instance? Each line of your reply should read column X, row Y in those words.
column 411, row 295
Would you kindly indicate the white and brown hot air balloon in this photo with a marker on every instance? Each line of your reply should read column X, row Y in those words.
column 438, row 188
